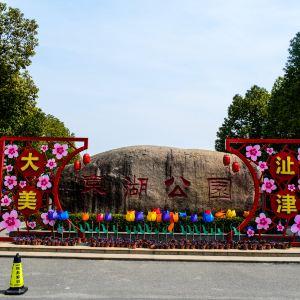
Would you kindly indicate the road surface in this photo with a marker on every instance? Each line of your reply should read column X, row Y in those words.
column 88, row 279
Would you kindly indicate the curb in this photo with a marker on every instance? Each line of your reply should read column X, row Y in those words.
column 291, row 255
column 153, row 258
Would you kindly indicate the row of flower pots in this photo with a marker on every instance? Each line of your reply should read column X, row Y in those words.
column 152, row 244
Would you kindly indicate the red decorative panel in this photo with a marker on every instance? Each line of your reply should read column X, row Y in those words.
column 274, row 166
column 30, row 171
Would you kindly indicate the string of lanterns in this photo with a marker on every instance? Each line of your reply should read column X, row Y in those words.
column 235, row 165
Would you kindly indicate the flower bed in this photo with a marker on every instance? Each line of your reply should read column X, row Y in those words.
column 151, row 243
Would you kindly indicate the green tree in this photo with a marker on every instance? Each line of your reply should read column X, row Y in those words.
column 284, row 105
column 246, row 117
column 18, row 93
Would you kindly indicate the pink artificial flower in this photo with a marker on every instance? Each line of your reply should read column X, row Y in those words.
column 298, row 154
column 44, row 182
column 11, row 151
column 262, row 166
column 60, row 150
column 268, row 185
column 46, row 219
column 10, row 221
column 10, row 181
column 270, row 151
column 291, row 187
column 250, row 232
column 296, row 227
column 263, row 222
column 22, row 184
column 31, row 225
column 51, row 164
column 5, row 201
column 280, row 227
column 253, row 152
column 9, row 168
column 44, row 148
column 299, row 184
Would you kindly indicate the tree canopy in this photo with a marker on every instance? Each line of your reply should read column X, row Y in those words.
column 284, row 106
column 261, row 114
column 246, row 116
column 20, row 115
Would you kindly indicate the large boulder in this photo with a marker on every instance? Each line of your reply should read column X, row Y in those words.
column 176, row 179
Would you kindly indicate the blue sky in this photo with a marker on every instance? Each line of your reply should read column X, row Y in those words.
column 154, row 72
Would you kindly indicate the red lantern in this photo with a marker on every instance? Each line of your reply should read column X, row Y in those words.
column 226, row 160
column 77, row 165
column 86, row 158
column 235, row 167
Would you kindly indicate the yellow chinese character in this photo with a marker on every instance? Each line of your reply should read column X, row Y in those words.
column 287, row 203
column 30, row 159
column 284, row 166
column 27, row 200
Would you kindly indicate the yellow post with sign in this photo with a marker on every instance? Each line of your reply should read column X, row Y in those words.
column 16, row 280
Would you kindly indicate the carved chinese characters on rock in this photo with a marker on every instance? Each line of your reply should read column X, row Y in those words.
column 219, row 188
column 135, row 186
column 177, row 190
column 93, row 183
column 31, row 163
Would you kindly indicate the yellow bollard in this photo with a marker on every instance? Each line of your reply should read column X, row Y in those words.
column 16, row 280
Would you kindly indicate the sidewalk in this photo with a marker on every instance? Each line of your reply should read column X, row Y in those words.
column 291, row 255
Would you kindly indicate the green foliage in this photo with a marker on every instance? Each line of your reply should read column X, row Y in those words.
column 18, row 41
column 18, row 93
column 284, row 106
column 260, row 114
column 246, row 116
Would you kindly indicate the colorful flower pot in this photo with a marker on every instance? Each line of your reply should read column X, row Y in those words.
column 139, row 216
column 207, row 216
column 100, row 218
column 151, row 216
column 108, row 217
column 85, row 217
column 158, row 218
column 230, row 214
column 220, row 214
column 166, row 216
column 174, row 217
column 130, row 216
column 194, row 218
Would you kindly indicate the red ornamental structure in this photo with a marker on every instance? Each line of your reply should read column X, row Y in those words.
column 30, row 172
column 274, row 166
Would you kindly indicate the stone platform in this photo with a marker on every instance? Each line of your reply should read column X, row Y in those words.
column 291, row 255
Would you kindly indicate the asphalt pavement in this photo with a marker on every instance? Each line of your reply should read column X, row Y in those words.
column 101, row 279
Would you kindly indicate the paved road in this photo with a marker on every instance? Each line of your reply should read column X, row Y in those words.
column 87, row 279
